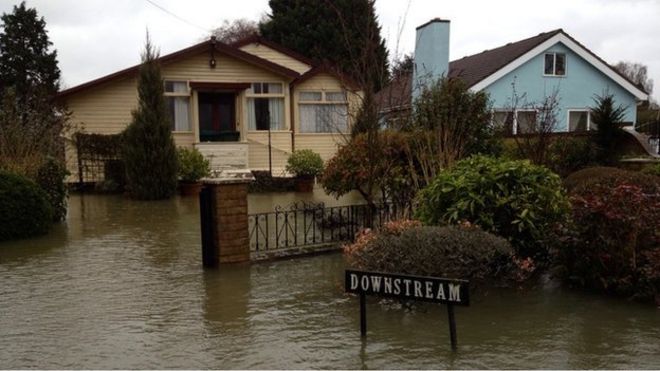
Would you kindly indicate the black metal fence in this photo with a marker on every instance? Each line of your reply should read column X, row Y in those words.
column 305, row 224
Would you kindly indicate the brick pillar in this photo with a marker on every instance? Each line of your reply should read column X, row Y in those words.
column 229, row 211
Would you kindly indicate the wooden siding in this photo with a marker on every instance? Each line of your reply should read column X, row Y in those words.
column 258, row 149
column 274, row 56
column 325, row 145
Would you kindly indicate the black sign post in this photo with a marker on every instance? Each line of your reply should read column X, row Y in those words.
column 430, row 289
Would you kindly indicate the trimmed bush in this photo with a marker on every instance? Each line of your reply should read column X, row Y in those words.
column 50, row 177
column 568, row 155
column 514, row 199
column 24, row 208
column 613, row 245
column 192, row 165
column 652, row 170
column 305, row 163
column 451, row 251
column 583, row 180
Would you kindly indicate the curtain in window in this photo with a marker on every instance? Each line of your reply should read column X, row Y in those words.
column 265, row 111
column 323, row 118
column 179, row 113
column 276, row 109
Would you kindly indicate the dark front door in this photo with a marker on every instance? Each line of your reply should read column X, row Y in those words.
column 217, row 117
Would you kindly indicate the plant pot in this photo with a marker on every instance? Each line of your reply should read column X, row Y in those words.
column 305, row 184
column 190, row 189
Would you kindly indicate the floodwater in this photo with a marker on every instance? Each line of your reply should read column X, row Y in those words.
column 120, row 285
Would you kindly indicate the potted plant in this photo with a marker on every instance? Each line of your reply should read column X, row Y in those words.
column 305, row 165
column 192, row 167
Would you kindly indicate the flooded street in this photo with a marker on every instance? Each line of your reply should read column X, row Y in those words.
column 121, row 285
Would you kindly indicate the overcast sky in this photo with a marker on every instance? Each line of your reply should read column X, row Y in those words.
column 97, row 37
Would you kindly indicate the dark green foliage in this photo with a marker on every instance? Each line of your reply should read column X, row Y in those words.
column 192, row 165
column 613, row 244
column 567, row 155
column 26, row 61
column 514, row 199
column 50, row 177
column 608, row 117
column 652, row 169
column 343, row 32
column 114, row 175
column 148, row 147
column 585, row 179
column 305, row 163
column 24, row 208
column 451, row 251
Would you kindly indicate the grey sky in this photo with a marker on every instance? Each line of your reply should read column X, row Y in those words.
column 97, row 37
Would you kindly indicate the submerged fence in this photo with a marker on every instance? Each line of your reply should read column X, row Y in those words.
column 304, row 224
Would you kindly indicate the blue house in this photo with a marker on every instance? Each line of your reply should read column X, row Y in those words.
column 519, row 78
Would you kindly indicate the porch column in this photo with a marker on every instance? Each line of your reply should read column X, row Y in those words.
column 225, row 235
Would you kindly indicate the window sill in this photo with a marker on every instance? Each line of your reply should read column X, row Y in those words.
column 559, row 76
column 182, row 132
column 333, row 133
column 266, row 131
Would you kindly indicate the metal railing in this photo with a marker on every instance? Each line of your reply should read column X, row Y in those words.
column 305, row 224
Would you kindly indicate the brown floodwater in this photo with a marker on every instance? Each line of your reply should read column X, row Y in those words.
column 120, row 285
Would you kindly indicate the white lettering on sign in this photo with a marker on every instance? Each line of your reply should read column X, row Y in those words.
column 387, row 281
column 454, row 292
column 431, row 289
column 354, row 281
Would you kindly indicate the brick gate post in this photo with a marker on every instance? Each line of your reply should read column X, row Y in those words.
column 227, row 234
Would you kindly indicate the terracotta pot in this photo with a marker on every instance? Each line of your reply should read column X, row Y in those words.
column 305, row 184
column 190, row 189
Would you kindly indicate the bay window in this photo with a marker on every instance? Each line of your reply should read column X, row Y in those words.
column 177, row 98
column 323, row 112
column 265, row 104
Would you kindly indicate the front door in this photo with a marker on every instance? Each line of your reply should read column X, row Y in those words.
column 217, row 117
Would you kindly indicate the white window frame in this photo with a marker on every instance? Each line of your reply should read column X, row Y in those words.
column 554, row 64
column 249, row 93
column 188, row 94
column 323, row 101
column 568, row 118
column 515, row 118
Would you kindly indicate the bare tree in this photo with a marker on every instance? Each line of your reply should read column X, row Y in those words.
column 637, row 73
column 533, row 124
column 236, row 30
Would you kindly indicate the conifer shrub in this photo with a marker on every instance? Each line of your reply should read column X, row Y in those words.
column 24, row 208
column 148, row 147
column 517, row 200
column 407, row 247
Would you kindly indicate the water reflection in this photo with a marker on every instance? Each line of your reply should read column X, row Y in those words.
column 121, row 286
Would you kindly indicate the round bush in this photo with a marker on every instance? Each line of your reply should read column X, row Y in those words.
column 192, row 165
column 305, row 163
column 24, row 208
column 50, row 177
column 514, row 199
column 585, row 179
column 451, row 251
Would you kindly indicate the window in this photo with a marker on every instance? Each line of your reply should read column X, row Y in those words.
column 177, row 98
column 580, row 120
column 555, row 64
column 503, row 121
column 525, row 122
column 265, row 106
column 323, row 112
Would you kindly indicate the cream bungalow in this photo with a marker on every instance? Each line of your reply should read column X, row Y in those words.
column 223, row 99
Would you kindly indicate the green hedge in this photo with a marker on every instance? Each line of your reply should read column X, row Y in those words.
column 24, row 208
column 514, row 199
column 50, row 178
